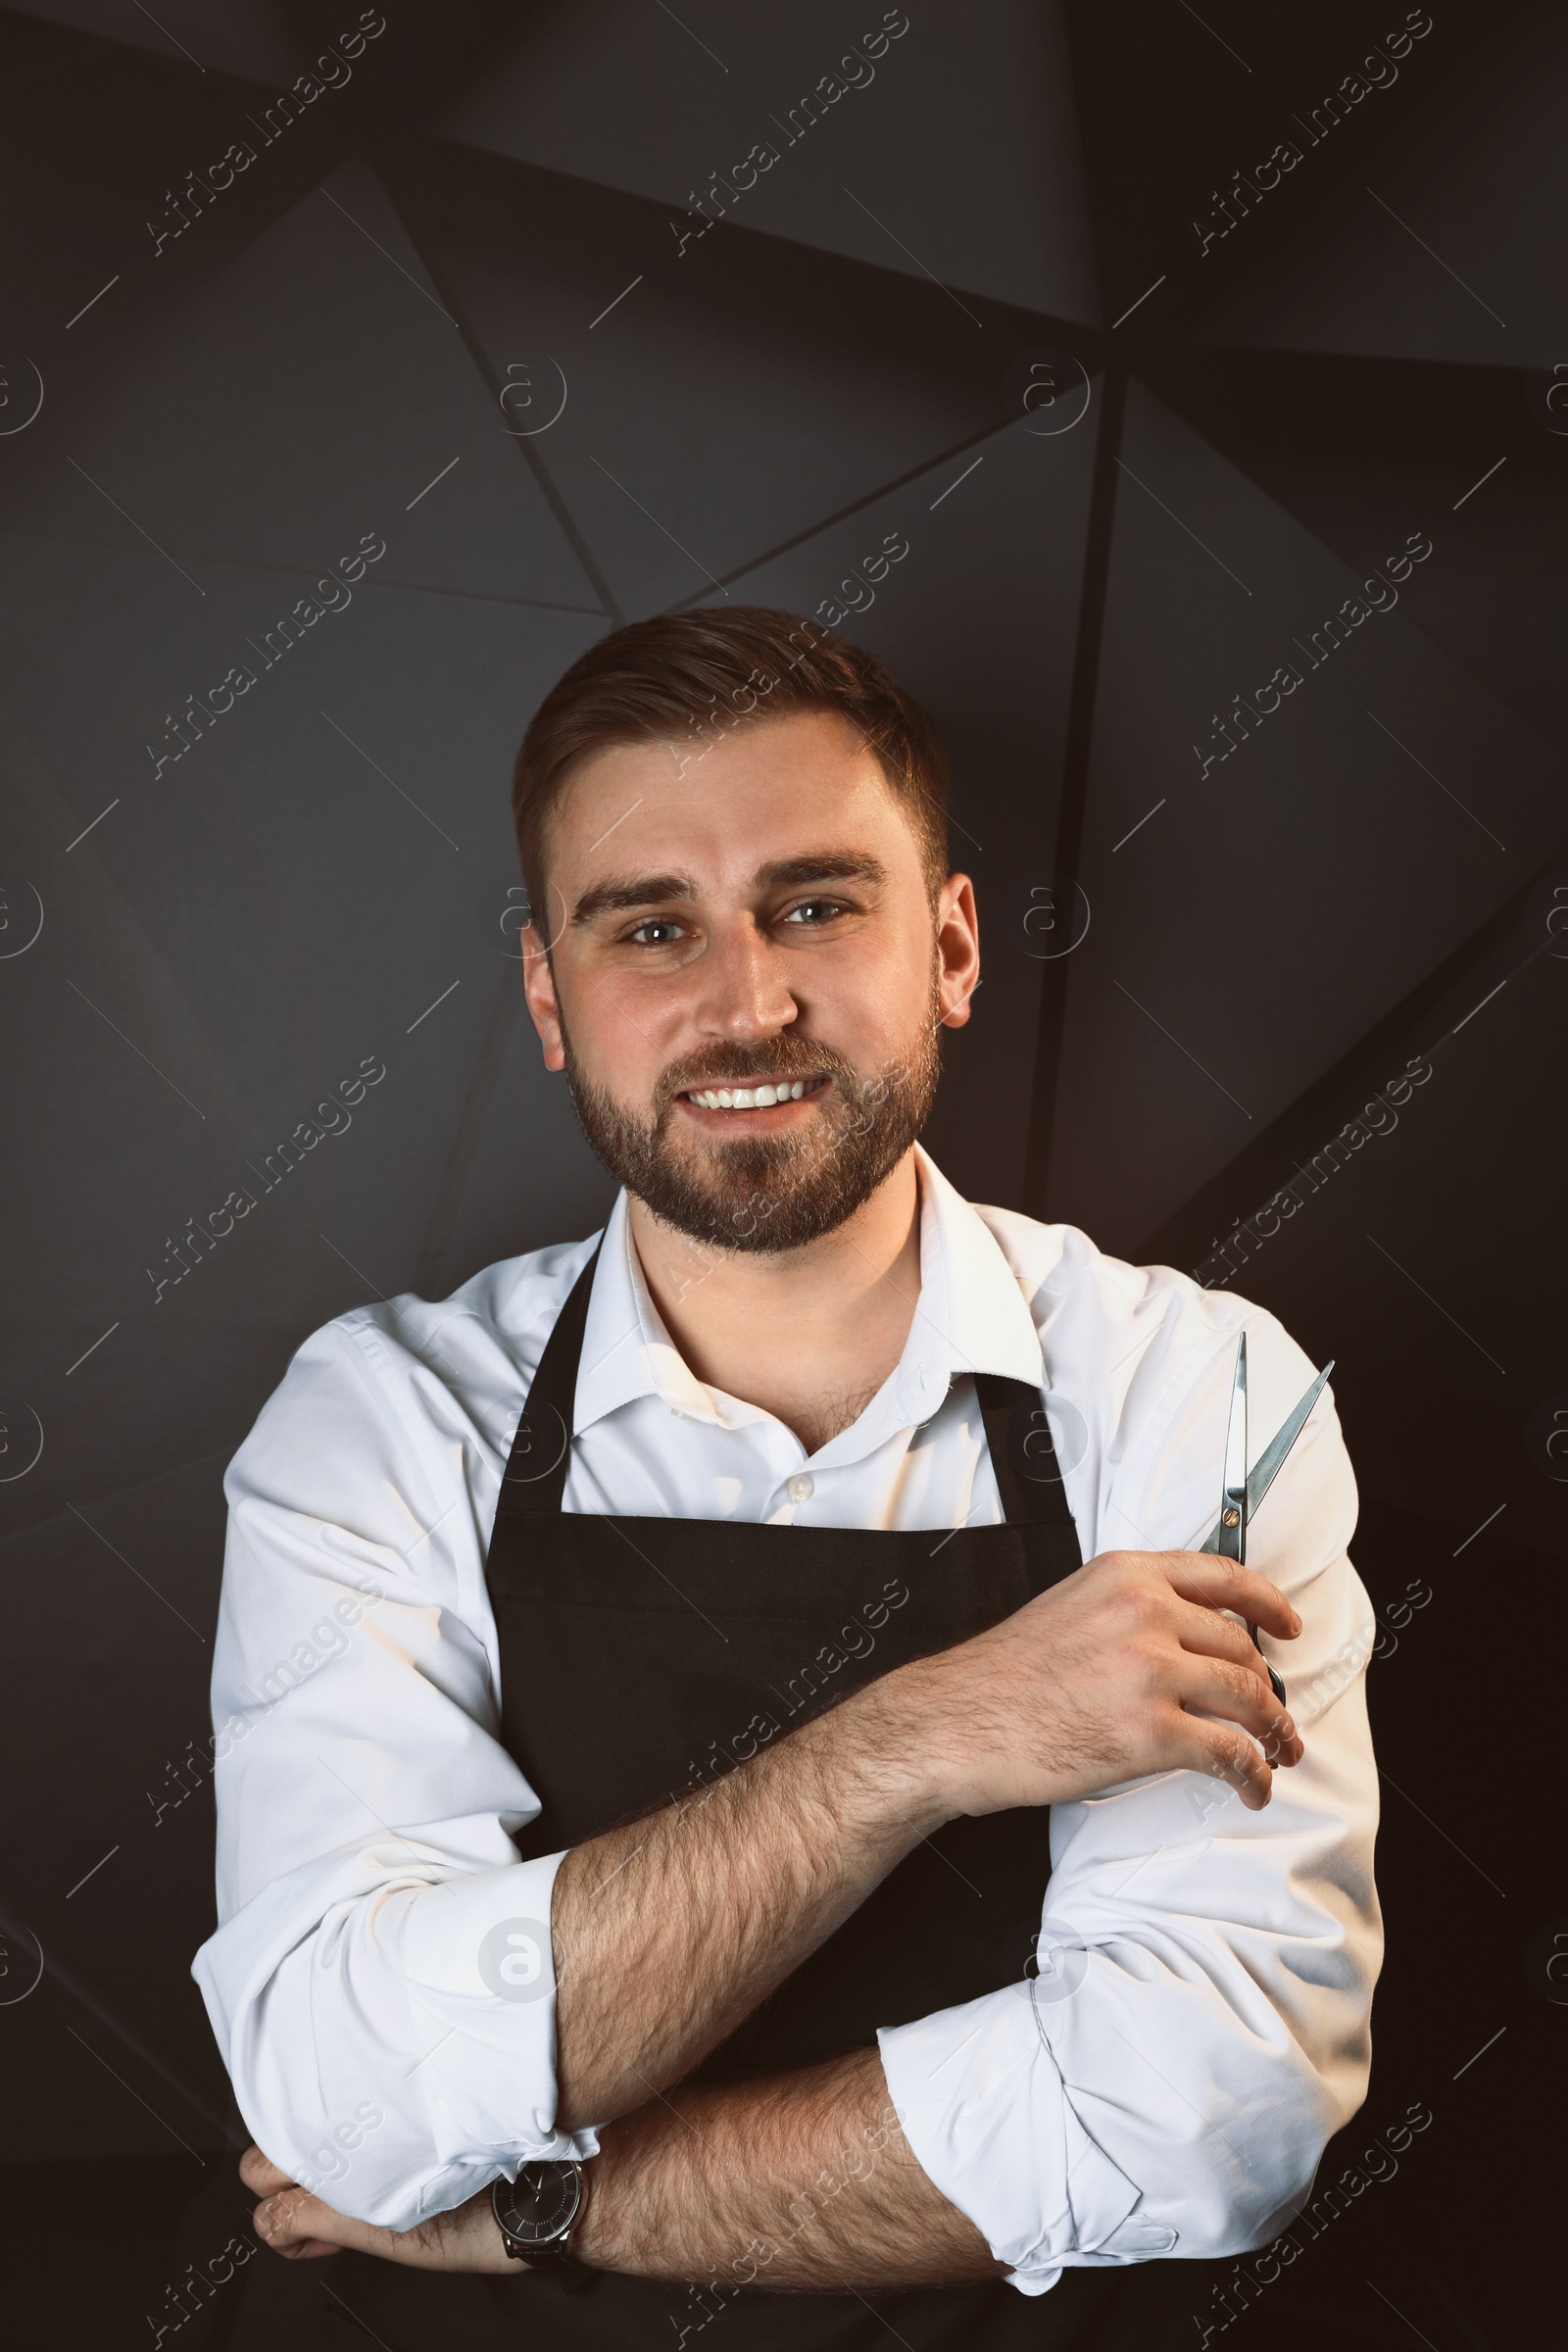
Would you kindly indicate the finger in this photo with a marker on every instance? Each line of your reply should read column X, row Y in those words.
column 299, row 2225
column 293, row 2220
column 261, row 2175
column 1204, row 1633
column 1230, row 1756
column 1219, row 1584
column 1215, row 1687
column 1278, row 1750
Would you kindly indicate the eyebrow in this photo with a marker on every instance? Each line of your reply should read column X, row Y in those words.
column 823, row 866
column 632, row 889
column 622, row 893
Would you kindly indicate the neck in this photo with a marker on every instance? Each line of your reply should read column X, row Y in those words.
column 808, row 1335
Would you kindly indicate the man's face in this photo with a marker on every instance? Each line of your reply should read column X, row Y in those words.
column 760, row 920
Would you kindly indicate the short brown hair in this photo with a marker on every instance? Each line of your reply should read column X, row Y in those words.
column 694, row 675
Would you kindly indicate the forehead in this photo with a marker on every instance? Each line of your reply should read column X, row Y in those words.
column 759, row 795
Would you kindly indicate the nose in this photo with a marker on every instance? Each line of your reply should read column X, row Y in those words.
column 743, row 991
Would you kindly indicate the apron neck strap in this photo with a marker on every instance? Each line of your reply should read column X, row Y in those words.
column 535, row 1476
column 1023, row 1453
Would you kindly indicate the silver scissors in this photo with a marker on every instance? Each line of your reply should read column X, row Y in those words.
column 1241, row 1495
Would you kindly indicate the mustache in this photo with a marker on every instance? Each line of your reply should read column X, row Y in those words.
column 784, row 1056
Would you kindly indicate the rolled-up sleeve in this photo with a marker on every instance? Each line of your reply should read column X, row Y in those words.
column 1200, row 2025
column 381, row 1983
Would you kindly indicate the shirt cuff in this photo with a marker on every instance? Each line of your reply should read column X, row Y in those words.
column 983, row 2108
column 475, row 1956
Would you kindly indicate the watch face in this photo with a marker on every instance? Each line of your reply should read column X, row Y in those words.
column 542, row 2202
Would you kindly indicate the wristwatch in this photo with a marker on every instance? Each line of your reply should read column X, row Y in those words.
column 538, row 2213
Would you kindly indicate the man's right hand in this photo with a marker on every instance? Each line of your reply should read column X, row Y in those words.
column 1127, row 1667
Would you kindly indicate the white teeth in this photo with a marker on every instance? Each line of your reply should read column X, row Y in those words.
column 751, row 1097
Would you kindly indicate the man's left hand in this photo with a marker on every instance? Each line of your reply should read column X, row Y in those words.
column 301, row 2226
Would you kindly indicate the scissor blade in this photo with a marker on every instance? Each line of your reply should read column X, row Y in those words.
column 1271, row 1460
column 1231, row 1542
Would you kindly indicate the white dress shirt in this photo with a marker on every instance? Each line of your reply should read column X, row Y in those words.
column 1200, row 2022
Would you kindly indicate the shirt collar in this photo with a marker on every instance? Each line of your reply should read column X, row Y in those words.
column 626, row 1350
column 970, row 1316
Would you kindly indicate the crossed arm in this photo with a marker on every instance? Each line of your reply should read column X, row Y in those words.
column 802, row 2183
column 670, row 1930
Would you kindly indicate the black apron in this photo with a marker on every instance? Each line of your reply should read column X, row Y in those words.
column 638, row 1658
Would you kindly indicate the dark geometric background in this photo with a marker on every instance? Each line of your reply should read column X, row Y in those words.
column 367, row 337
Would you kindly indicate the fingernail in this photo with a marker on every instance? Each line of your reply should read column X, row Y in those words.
column 1296, row 1622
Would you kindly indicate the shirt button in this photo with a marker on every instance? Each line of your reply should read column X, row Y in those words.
column 801, row 1489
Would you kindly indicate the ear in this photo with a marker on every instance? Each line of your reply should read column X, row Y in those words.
column 539, row 987
column 958, row 949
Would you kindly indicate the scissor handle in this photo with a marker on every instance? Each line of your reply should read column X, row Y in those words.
column 1275, row 1679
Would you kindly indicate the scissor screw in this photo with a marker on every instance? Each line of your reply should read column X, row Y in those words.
column 1233, row 1517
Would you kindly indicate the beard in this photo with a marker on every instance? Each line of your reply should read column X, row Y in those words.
column 776, row 1192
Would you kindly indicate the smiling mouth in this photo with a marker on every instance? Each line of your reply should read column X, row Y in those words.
column 763, row 1095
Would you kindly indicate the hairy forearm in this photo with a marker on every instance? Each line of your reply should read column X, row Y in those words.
column 670, row 1930
column 800, row 2183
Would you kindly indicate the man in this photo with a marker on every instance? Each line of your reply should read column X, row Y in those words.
column 700, row 1629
